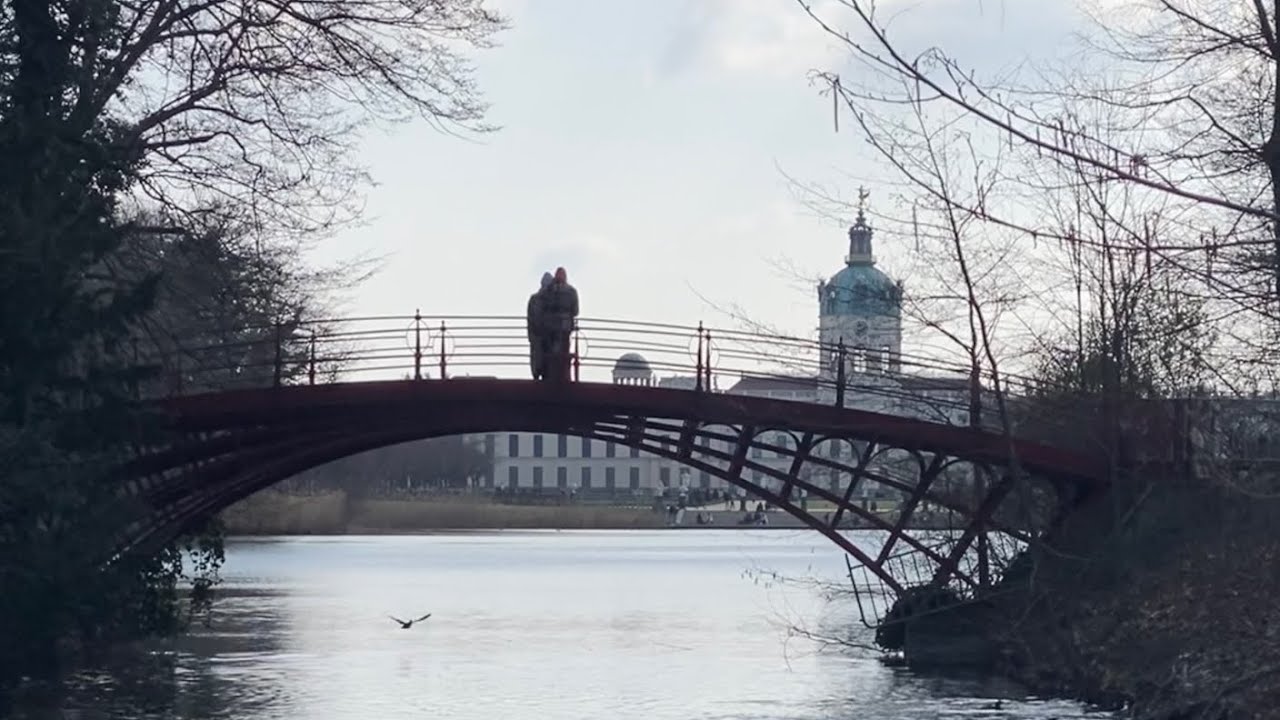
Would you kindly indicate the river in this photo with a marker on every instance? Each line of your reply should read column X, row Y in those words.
column 585, row 624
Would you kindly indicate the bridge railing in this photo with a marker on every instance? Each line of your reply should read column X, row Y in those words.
column 693, row 357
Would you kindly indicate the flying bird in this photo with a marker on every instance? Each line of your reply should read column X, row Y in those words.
column 406, row 624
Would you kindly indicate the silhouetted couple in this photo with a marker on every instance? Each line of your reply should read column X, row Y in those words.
column 552, row 313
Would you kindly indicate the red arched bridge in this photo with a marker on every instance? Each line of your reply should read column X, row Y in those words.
column 796, row 423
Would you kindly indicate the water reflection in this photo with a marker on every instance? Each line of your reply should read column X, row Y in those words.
column 550, row 625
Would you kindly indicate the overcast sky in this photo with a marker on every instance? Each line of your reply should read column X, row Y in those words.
column 643, row 146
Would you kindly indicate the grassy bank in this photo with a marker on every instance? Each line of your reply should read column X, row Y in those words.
column 274, row 513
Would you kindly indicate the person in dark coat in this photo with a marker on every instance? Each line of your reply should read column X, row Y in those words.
column 559, row 313
column 537, row 331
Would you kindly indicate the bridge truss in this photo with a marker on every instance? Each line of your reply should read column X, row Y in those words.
column 949, row 440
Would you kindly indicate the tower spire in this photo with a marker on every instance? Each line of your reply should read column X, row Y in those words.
column 860, row 234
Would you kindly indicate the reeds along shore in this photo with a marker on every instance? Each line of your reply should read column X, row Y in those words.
column 334, row 513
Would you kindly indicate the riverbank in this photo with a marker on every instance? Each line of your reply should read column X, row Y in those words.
column 1163, row 600
column 271, row 512
column 334, row 513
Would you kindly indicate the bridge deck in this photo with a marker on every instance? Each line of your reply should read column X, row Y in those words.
column 560, row 406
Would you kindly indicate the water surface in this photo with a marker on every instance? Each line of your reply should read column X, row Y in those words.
column 581, row 624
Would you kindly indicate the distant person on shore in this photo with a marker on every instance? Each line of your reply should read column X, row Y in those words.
column 559, row 312
column 534, row 318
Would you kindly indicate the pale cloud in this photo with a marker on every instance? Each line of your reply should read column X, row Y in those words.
column 584, row 253
column 508, row 8
column 759, row 37
column 653, row 202
column 779, row 39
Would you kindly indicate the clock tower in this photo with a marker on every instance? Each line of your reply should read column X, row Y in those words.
column 861, row 307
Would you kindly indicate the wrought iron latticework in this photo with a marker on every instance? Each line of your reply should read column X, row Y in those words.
column 971, row 490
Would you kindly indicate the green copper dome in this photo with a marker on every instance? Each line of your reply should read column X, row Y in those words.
column 860, row 289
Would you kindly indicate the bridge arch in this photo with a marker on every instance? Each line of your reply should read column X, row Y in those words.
column 218, row 484
column 238, row 442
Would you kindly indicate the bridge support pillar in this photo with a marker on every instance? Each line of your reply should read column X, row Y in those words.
column 797, row 463
column 983, row 516
column 863, row 460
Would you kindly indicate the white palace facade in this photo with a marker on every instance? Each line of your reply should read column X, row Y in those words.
column 859, row 306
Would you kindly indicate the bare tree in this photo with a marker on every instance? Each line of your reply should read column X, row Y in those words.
column 206, row 114
column 234, row 105
column 1146, row 191
column 223, row 303
column 1183, row 98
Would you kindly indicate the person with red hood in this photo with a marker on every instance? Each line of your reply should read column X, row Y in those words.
column 559, row 313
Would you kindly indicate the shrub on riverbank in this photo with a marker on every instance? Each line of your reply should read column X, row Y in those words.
column 1174, row 611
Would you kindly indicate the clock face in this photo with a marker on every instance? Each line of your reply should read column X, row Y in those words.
column 860, row 328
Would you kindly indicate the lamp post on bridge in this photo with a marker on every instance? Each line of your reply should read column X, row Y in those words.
column 419, row 338
column 700, row 347
column 444, row 367
column 416, row 338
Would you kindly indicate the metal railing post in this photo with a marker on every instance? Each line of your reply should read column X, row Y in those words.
column 417, row 344
column 577, row 362
column 311, row 361
column 278, row 370
column 840, row 370
column 698, row 384
column 707, row 364
column 443, row 363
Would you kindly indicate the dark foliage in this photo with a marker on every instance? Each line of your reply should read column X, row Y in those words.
column 160, row 165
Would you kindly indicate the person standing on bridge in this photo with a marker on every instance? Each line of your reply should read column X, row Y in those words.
column 537, row 330
column 559, row 312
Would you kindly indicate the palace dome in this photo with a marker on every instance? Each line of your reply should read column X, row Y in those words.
column 632, row 368
column 860, row 288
